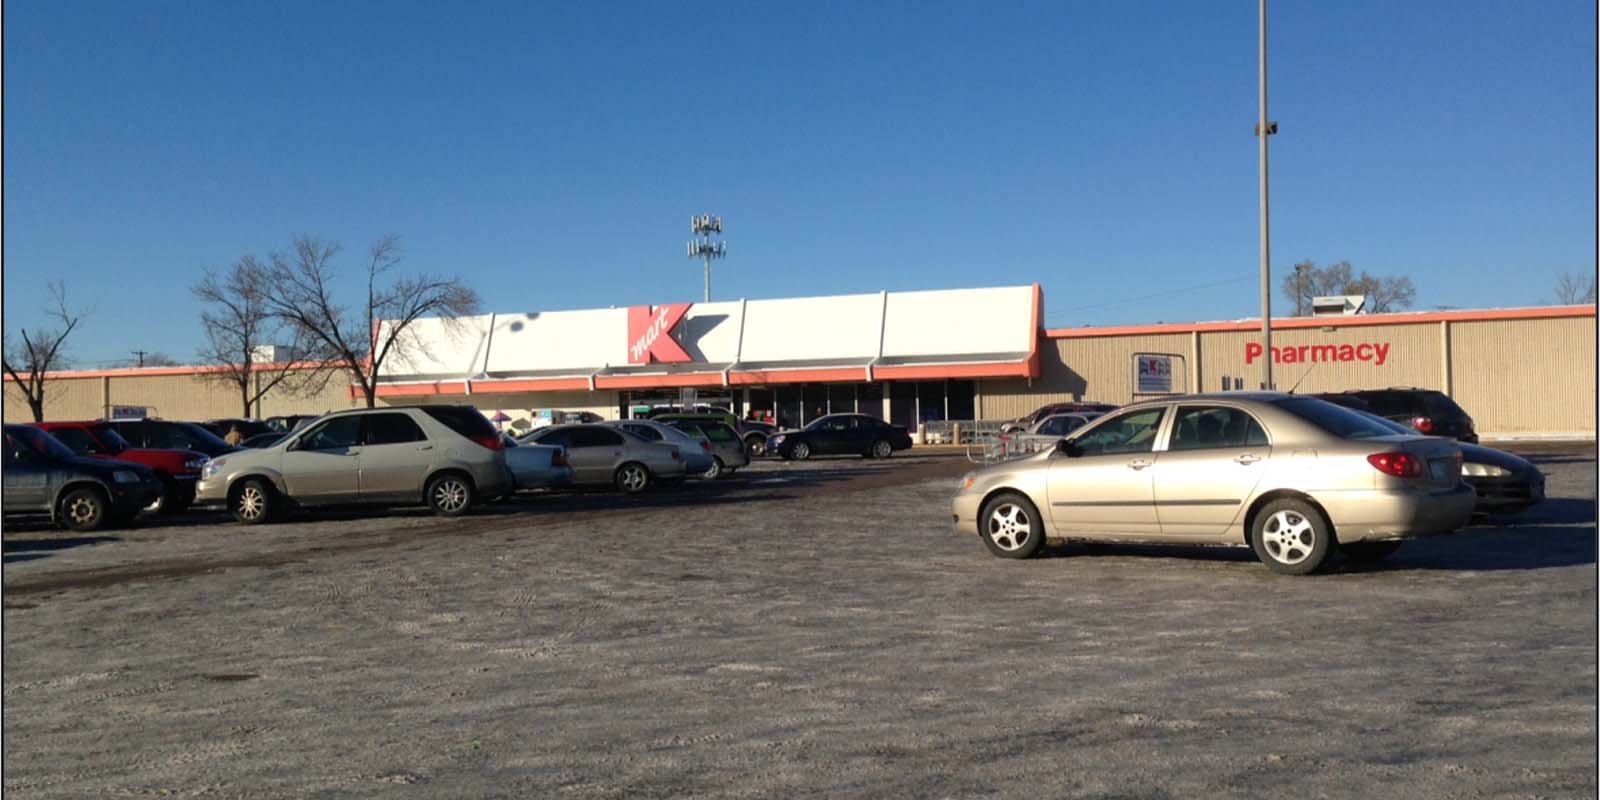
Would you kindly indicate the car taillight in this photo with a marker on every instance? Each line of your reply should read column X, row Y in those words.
column 1401, row 465
column 677, row 455
column 560, row 458
column 705, row 445
column 489, row 440
column 1424, row 424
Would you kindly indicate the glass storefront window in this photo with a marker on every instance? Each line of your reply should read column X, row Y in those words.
column 841, row 398
column 788, row 406
column 815, row 396
column 903, row 405
column 869, row 400
column 930, row 401
column 960, row 394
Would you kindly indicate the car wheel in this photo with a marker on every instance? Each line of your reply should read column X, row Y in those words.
column 882, row 449
column 714, row 471
column 632, row 478
column 1010, row 526
column 174, row 499
column 800, row 452
column 1291, row 537
column 755, row 445
column 253, row 502
column 449, row 494
column 83, row 509
column 1369, row 551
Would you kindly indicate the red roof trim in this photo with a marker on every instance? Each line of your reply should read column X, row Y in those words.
column 1289, row 323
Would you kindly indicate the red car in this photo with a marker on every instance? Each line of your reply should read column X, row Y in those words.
column 178, row 470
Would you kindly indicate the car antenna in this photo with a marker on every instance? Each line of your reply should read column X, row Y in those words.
column 1303, row 377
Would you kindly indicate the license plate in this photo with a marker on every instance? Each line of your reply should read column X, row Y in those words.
column 1440, row 468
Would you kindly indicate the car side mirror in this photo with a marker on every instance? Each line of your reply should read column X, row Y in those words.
column 1068, row 448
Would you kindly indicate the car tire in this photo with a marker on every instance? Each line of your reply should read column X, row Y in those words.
column 756, row 445
column 84, row 509
column 631, row 478
column 253, row 502
column 1010, row 526
column 1291, row 536
column 450, row 494
column 1369, row 551
column 800, row 451
column 174, row 500
column 880, row 449
column 714, row 471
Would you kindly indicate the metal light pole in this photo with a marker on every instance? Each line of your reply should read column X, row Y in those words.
column 703, row 226
column 1263, row 130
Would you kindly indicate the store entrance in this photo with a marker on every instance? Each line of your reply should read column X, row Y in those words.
column 636, row 403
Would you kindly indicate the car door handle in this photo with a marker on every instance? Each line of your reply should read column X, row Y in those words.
column 1140, row 463
column 425, row 447
column 1247, row 459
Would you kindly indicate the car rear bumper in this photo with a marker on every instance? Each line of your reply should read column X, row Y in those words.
column 1374, row 514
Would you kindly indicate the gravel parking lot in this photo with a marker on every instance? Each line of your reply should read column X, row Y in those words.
column 810, row 629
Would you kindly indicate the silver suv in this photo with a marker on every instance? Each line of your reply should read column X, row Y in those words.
column 444, row 456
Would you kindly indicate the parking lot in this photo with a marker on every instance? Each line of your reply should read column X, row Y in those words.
column 795, row 629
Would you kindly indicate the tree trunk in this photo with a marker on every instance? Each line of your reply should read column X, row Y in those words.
column 244, row 394
column 36, row 405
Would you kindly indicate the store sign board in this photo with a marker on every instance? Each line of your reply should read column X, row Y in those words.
column 129, row 412
column 1154, row 374
column 650, row 334
column 1373, row 352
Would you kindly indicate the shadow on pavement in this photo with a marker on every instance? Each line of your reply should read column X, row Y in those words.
column 30, row 549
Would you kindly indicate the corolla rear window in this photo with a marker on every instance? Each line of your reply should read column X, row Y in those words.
column 1341, row 422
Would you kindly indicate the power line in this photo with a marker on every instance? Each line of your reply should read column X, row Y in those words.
column 1153, row 295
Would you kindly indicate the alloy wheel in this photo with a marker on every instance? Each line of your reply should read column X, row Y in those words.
column 1009, row 526
column 450, row 495
column 1288, row 537
column 252, row 502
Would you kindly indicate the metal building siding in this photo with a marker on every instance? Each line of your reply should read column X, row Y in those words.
column 1413, row 359
column 1526, row 375
column 64, row 399
column 1090, row 369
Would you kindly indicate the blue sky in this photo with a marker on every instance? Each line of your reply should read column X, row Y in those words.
column 552, row 154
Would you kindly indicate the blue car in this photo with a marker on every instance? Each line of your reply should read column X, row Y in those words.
column 536, row 466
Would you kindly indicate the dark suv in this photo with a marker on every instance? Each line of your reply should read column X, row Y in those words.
column 169, row 435
column 43, row 476
column 1428, row 411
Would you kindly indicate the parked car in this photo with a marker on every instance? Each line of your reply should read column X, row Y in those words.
column 1045, row 433
column 1052, row 409
column 263, row 440
column 696, row 449
column 840, row 434
column 601, row 455
column 1505, row 483
column 447, row 457
column 755, row 433
column 1291, row 477
column 171, row 435
column 43, row 476
column 288, row 423
column 176, row 469
column 536, row 466
column 1426, row 410
column 248, row 427
column 728, row 450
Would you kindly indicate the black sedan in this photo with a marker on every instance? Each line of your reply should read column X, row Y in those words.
column 841, row 434
column 43, row 476
column 1505, row 483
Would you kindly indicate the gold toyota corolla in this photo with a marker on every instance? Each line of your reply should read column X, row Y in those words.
column 1292, row 477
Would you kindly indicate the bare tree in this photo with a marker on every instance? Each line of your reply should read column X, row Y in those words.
column 42, row 350
column 238, row 323
column 1573, row 289
column 1384, row 294
column 300, row 292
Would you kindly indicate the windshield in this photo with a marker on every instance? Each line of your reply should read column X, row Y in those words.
column 1341, row 422
column 112, row 440
column 37, row 441
column 199, row 435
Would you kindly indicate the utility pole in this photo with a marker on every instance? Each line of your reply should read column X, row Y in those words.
column 1264, row 129
column 703, row 226
column 140, row 355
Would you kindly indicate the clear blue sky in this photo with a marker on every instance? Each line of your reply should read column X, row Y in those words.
column 552, row 154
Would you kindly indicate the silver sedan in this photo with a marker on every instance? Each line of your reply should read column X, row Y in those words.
column 1292, row 477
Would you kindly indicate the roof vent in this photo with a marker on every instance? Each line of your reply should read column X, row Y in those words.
column 1339, row 305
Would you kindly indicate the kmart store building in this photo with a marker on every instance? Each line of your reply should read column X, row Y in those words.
column 920, row 357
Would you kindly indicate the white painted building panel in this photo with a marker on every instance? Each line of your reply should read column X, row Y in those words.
column 843, row 327
column 543, row 341
column 960, row 321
